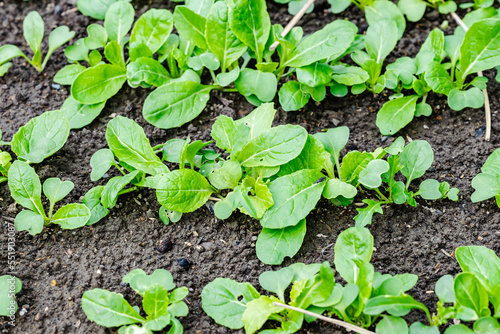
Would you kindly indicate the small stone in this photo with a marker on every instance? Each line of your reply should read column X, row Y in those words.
column 124, row 284
column 184, row 263
column 56, row 86
column 254, row 238
column 165, row 246
column 53, row 283
column 57, row 10
column 335, row 122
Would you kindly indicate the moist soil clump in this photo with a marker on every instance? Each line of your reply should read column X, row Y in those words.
column 57, row 266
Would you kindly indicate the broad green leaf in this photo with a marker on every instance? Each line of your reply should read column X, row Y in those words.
column 225, row 79
column 7, row 52
column 92, row 200
column 207, row 59
column 339, row 6
column 492, row 164
column 316, row 288
column 33, row 29
column 41, row 137
column 382, row 10
column 254, row 83
column 487, row 325
column 118, row 20
column 111, row 190
column 416, row 159
column 381, row 39
column 292, row 97
column 113, row 53
column 258, row 311
column 482, row 262
column 67, row 74
column 223, row 132
column 352, row 164
column 277, row 281
column 190, row 26
column 71, row 216
column 224, row 300
column 80, row 115
column 109, row 309
column 274, row 245
column 229, row 48
column 175, row 103
column 9, row 286
column 155, row 303
column 78, row 51
column 250, row 22
column 129, row 144
column 25, row 187
column 486, row 186
column 58, row 37
column 55, row 189
column 394, row 305
column 355, row 243
column 275, row 147
column 329, row 42
column 458, row 329
column 97, row 37
column 419, row 328
column 444, row 289
column 435, row 44
column 134, row 329
column 350, row 75
column 141, row 282
column 438, row 78
column 316, row 74
column 479, row 50
column 101, row 161
column 396, row 114
column 392, row 325
column 429, row 189
column 371, row 176
column 470, row 293
column 95, row 8
column 259, row 120
column 460, row 99
column 414, row 11
column 335, row 188
column 30, row 221
column 226, row 177
column 294, row 195
column 313, row 156
column 98, row 84
column 153, row 28
column 255, row 197
column 183, row 190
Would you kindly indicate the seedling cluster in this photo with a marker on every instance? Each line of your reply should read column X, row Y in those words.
column 274, row 174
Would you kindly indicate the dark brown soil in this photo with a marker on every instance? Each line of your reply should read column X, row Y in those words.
column 57, row 266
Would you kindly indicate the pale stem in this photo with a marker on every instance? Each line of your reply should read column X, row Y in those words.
column 487, row 108
column 341, row 323
column 292, row 23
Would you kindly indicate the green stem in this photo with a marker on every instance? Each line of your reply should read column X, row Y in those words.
column 382, row 196
column 229, row 90
column 129, row 190
column 119, row 168
column 158, row 147
column 214, row 78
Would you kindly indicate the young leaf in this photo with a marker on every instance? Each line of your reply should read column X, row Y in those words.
column 152, row 28
column 183, row 190
column 92, row 200
column 118, row 20
column 460, row 99
column 416, row 159
column 277, row 281
column 68, row 74
column 33, row 29
column 224, row 300
column 41, row 137
column 98, row 84
column 141, row 282
column 95, row 8
column 7, row 52
column 444, row 289
column 229, row 48
column 429, row 189
column 175, row 103
column 394, row 305
column 438, row 78
column 226, row 177
column 80, row 115
column 71, row 216
column 256, row 84
column 30, row 221
column 101, row 161
column 109, row 309
column 393, row 325
column 335, row 188
column 355, row 243
column 191, row 26
column 259, row 120
column 55, row 189
column 250, row 22
column 482, row 262
column 414, row 11
column 294, row 195
column 111, row 190
column 364, row 216
column 25, row 187
column 129, row 144
column 370, row 177
column 381, row 39
column 292, row 97
column 275, row 147
column 471, row 294
column 155, row 304
column 274, row 245
column 97, row 37
column 486, row 186
column 313, row 156
column 316, row 74
column 396, row 114
column 329, row 42
column 258, row 311
column 382, row 10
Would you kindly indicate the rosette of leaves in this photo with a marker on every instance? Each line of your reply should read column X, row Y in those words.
column 464, row 53
column 414, row 10
column 33, row 31
column 313, row 288
column 37, row 140
column 161, row 305
column 26, row 189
